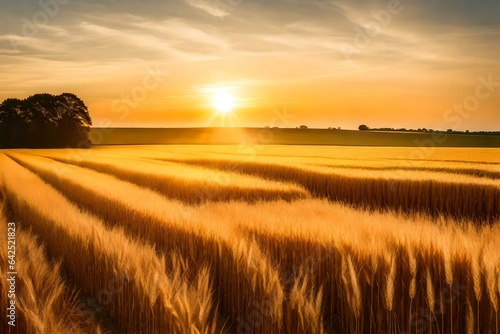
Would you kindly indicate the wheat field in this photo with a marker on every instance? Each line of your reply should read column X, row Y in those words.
column 258, row 239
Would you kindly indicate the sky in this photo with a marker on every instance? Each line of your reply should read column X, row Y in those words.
column 159, row 63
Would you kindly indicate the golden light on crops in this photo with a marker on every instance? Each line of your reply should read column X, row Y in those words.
column 389, row 250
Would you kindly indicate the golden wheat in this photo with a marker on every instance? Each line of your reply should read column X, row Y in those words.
column 411, row 193
column 97, row 259
column 45, row 303
column 191, row 184
column 413, row 275
column 308, row 266
column 238, row 265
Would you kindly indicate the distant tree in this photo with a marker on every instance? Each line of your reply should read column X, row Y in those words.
column 303, row 127
column 45, row 120
column 363, row 128
column 449, row 130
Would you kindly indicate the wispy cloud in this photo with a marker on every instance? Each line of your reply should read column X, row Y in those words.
column 213, row 7
column 282, row 50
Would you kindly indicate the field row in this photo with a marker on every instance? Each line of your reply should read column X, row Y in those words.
column 278, row 262
column 43, row 302
column 472, row 194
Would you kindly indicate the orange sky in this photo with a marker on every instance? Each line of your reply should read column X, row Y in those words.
column 151, row 63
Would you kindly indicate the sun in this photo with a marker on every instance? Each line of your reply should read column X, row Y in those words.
column 224, row 102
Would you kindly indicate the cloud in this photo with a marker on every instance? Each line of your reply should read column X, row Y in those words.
column 216, row 8
column 280, row 45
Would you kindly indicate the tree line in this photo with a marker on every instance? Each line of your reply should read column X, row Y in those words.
column 364, row 127
column 44, row 120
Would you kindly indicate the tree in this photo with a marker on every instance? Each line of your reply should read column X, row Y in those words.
column 363, row 128
column 74, row 119
column 303, row 127
column 45, row 120
column 12, row 122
